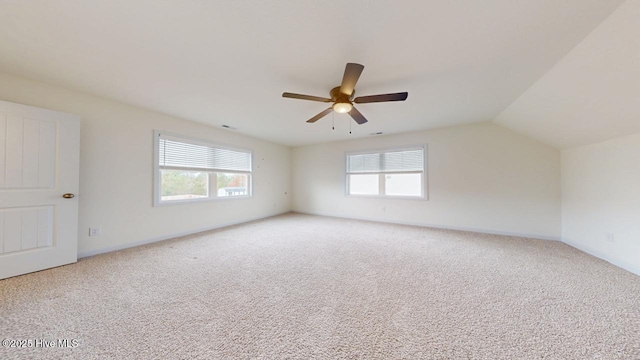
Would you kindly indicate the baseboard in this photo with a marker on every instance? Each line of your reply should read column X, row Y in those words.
column 84, row 254
column 436, row 226
column 608, row 258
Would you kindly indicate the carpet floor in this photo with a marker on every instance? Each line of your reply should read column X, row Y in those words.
column 308, row 287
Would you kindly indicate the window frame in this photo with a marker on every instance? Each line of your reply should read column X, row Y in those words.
column 212, row 185
column 424, row 193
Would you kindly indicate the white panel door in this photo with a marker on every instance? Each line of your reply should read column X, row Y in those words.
column 39, row 164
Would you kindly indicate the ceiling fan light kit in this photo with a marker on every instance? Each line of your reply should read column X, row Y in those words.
column 342, row 108
column 342, row 96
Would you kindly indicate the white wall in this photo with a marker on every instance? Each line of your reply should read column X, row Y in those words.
column 116, row 169
column 601, row 195
column 482, row 177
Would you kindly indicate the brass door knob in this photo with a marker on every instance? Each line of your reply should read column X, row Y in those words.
column 68, row 196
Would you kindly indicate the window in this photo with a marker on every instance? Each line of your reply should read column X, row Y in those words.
column 397, row 173
column 193, row 170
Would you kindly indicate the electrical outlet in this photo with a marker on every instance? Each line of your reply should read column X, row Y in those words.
column 95, row 231
column 609, row 237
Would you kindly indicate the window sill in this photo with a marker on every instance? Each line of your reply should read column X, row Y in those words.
column 201, row 200
column 394, row 197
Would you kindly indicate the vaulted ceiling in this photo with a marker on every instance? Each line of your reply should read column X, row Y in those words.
column 228, row 62
column 592, row 94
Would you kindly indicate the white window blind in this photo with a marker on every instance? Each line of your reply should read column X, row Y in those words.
column 395, row 161
column 175, row 153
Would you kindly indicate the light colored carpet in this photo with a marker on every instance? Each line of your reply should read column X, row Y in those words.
column 307, row 287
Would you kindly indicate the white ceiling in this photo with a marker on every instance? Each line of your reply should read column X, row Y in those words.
column 228, row 62
column 592, row 94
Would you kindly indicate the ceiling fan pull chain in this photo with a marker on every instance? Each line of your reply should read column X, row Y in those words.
column 349, row 127
column 333, row 121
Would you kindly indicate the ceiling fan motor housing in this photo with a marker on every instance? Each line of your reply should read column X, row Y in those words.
column 337, row 96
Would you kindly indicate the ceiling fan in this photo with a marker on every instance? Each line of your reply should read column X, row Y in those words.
column 343, row 99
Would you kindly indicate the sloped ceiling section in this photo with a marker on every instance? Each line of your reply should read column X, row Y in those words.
column 592, row 94
column 228, row 62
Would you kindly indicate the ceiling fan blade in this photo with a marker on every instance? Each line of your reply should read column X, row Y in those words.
column 320, row 116
column 357, row 116
column 351, row 75
column 304, row 97
column 401, row 96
